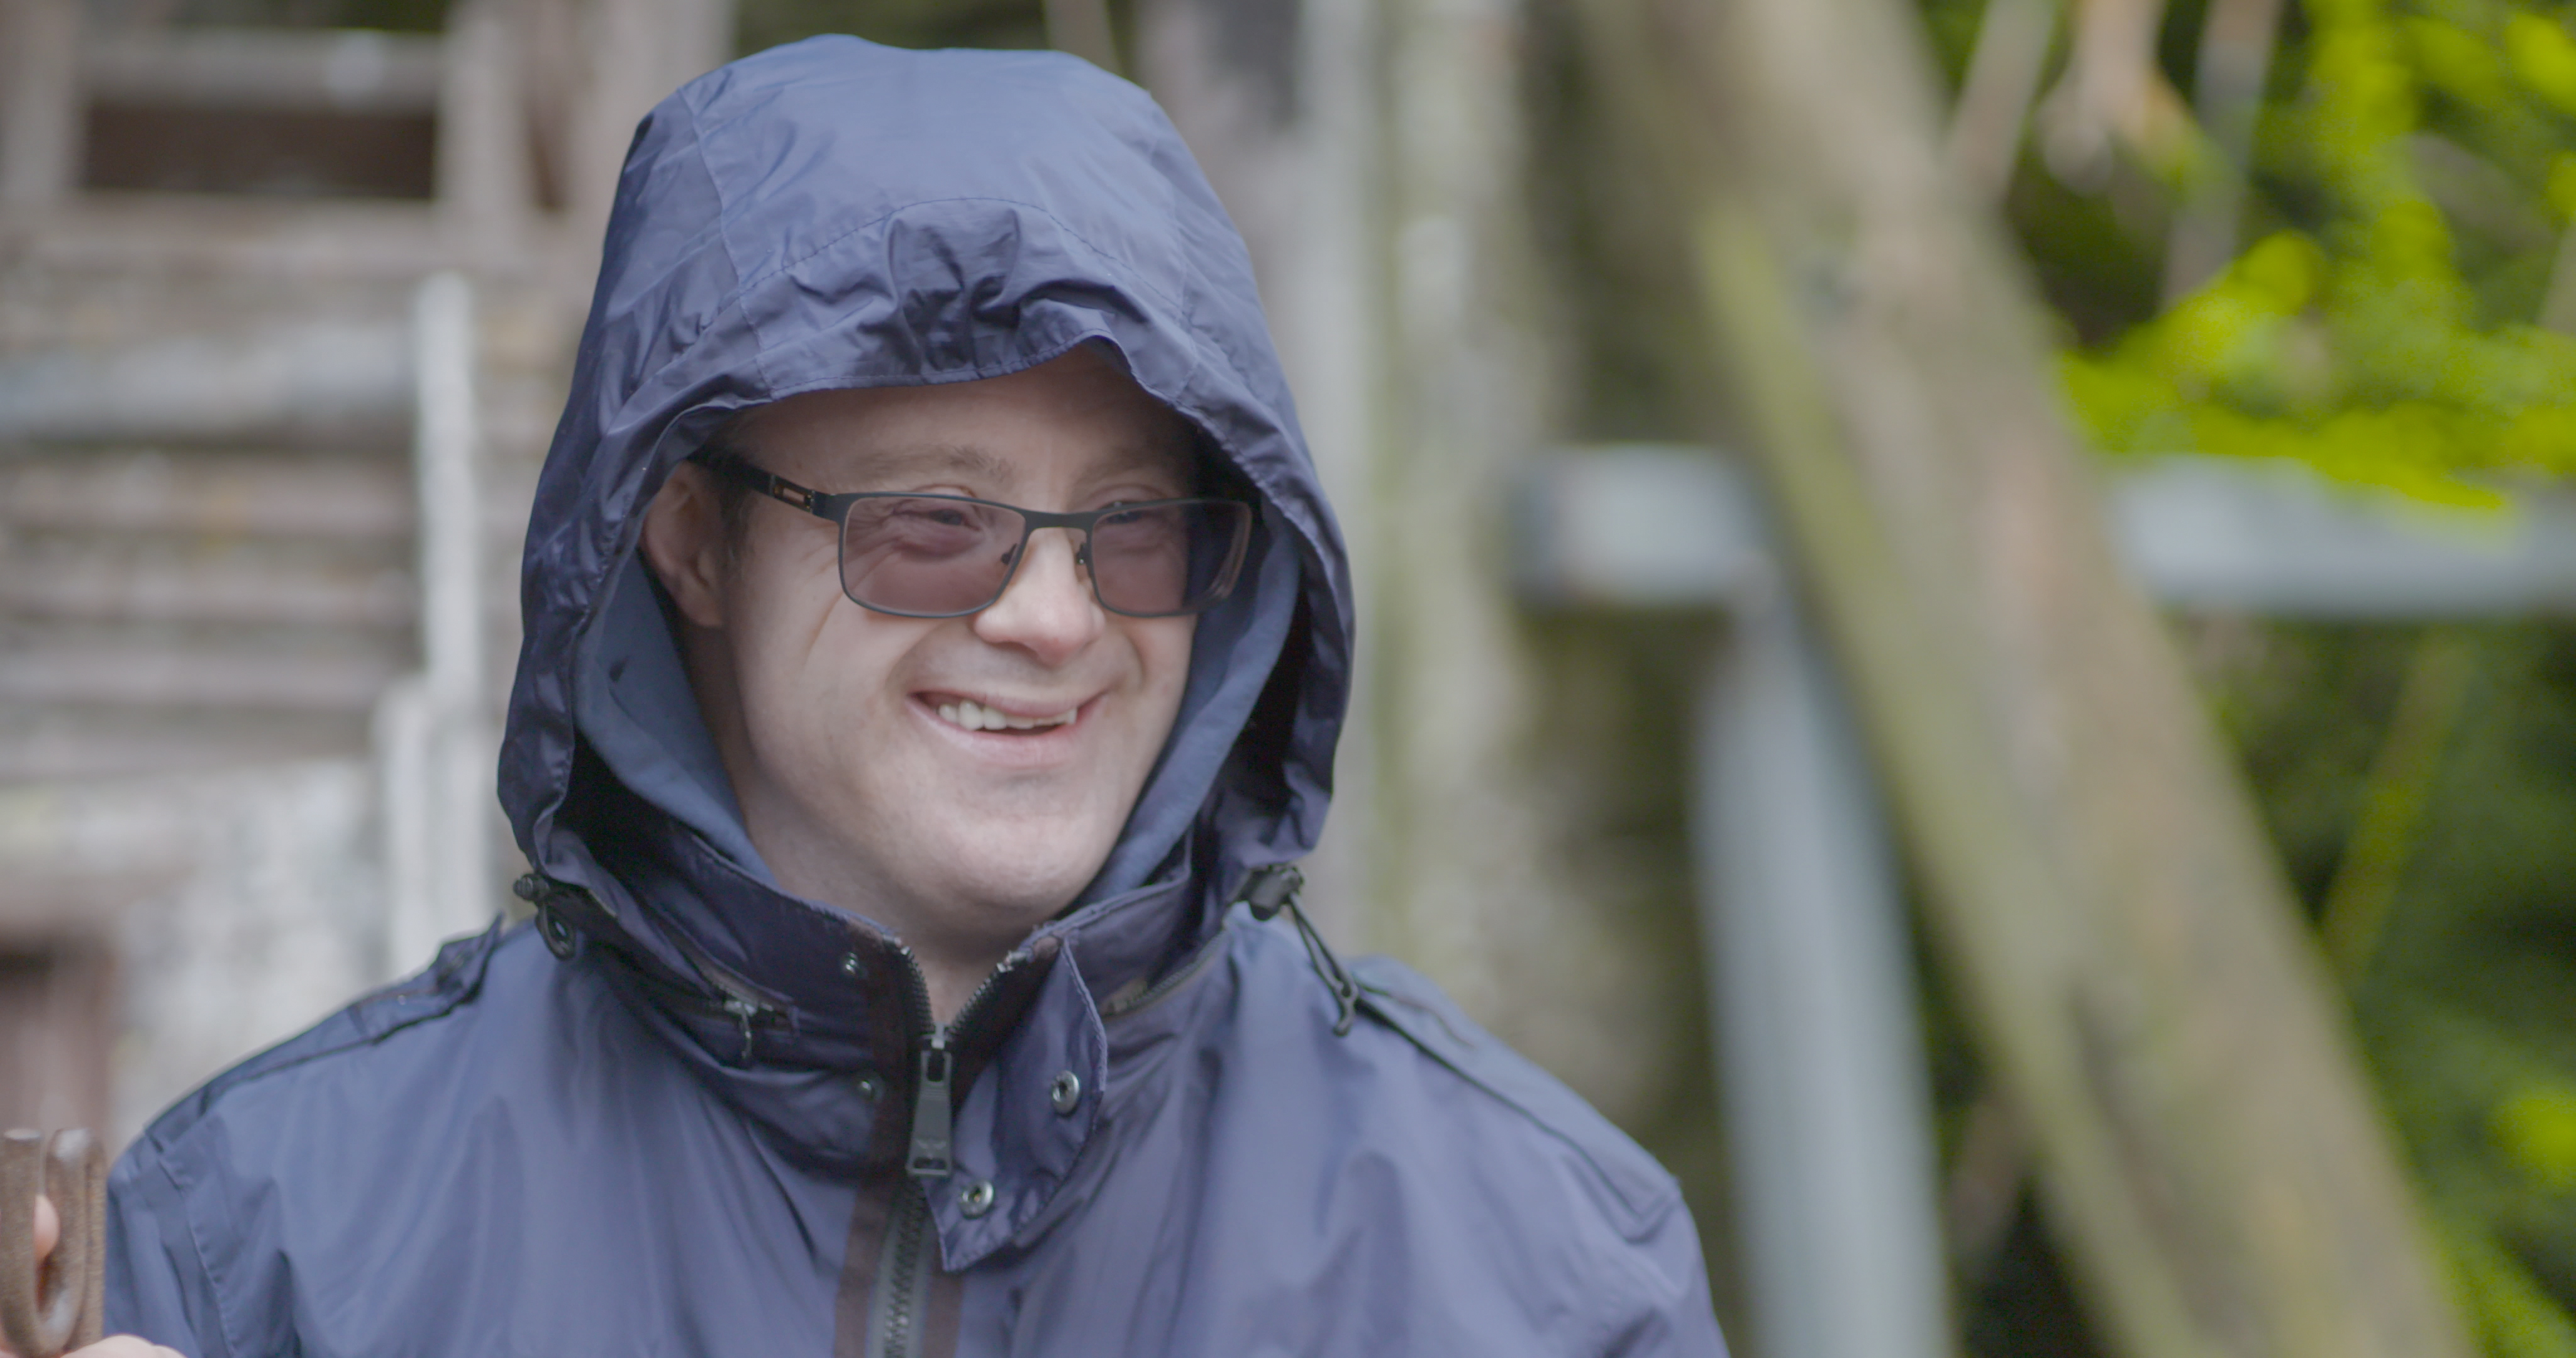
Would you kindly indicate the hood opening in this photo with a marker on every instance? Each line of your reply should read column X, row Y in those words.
column 834, row 214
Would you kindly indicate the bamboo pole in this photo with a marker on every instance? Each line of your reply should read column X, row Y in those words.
column 2096, row 877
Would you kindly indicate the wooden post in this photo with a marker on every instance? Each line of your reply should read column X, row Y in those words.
column 485, row 188
column 40, row 103
column 633, row 53
column 2099, row 885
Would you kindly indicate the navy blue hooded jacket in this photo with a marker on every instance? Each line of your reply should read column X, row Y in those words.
column 687, row 1113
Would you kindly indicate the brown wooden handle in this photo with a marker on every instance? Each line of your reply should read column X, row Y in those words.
column 53, row 1305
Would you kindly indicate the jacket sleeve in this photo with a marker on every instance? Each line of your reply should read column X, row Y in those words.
column 157, row 1286
column 1673, row 1317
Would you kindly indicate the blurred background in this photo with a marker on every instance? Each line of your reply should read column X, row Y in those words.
column 2268, row 302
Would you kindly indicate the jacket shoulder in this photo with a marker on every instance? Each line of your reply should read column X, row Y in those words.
column 451, row 983
column 199, row 1217
column 1410, row 1036
column 1444, row 1180
column 1638, row 1191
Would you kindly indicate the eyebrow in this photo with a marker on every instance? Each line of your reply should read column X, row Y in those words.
column 964, row 458
column 970, row 460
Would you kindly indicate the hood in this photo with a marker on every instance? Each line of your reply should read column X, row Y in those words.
column 836, row 214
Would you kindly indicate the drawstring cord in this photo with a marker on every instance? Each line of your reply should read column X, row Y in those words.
column 1274, row 888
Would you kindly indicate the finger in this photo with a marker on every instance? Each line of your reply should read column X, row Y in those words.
column 124, row 1346
column 49, row 1227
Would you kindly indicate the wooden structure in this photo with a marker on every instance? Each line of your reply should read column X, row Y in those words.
column 260, row 493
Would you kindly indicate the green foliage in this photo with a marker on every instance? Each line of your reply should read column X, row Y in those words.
column 2536, row 1130
column 2387, row 321
column 2419, row 172
column 2466, row 1008
column 2512, row 1314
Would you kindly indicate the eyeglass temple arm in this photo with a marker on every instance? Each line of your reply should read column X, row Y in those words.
column 733, row 468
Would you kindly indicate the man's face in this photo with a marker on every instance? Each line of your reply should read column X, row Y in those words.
column 851, row 736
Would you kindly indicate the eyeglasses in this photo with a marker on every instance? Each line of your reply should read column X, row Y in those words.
column 945, row 556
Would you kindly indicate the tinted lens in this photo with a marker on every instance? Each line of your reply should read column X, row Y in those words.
column 925, row 554
column 1169, row 558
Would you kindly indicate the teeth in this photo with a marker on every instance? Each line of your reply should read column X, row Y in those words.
column 975, row 716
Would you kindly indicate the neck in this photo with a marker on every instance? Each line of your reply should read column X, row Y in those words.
column 953, row 980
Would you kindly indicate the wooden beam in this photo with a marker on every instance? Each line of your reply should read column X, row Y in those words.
column 1672, row 526
column 324, row 70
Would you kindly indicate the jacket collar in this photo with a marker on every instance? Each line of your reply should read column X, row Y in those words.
column 811, row 1023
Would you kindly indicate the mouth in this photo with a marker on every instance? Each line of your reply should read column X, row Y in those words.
column 966, row 714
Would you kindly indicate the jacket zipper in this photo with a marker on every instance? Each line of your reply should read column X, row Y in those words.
column 1180, row 976
column 904, row 1266
column 903, row 1274
column 934, row 1068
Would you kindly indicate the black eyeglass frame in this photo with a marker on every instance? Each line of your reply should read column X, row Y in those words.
column 835, row 510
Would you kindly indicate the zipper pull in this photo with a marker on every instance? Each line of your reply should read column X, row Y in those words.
column 745, row 1013
column 930, row 1114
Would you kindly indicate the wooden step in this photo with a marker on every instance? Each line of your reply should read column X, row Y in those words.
column 81, row 743
column 253, row 582
column 163, row 666
column 165, row 609
column 208, row 494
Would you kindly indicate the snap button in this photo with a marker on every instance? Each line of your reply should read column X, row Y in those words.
column 976, row 1199
column 555, row 930
column 1065, row 1092
column 871, row 1086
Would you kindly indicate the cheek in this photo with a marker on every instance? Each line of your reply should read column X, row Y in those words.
column 1163, row 648
column 812, row 663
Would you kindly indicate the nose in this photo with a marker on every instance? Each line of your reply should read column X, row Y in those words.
column 1048, row 610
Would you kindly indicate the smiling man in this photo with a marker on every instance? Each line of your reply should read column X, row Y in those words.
column 1000, row 692
column 935, row 645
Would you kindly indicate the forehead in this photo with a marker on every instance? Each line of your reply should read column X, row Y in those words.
column 1070, row 420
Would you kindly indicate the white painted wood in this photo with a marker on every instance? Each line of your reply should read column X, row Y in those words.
column 1813, row 1015
column 2275, row 538
column 435, row 748
column 1607, row 527
column 1812, row 1003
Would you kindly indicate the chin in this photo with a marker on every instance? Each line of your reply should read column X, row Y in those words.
column 1017, row 885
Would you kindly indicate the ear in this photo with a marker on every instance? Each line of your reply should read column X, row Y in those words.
column 684, row 543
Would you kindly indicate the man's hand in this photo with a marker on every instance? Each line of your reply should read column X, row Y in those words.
column 49, row 1232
